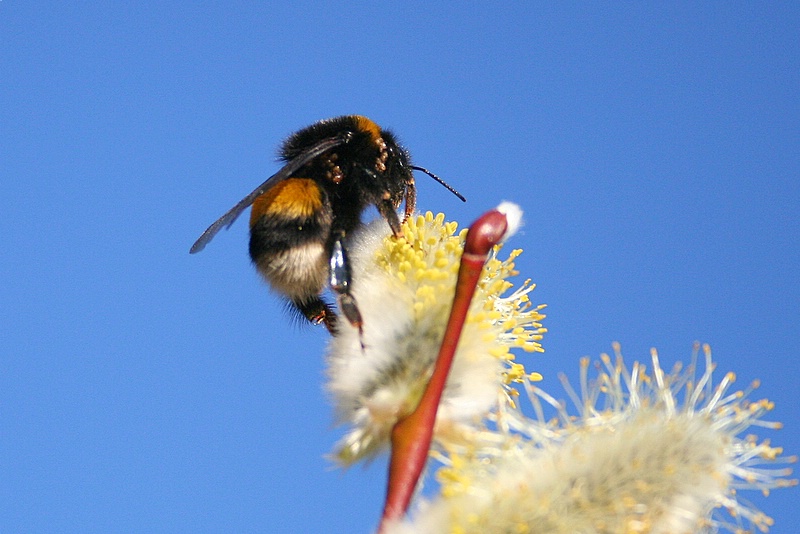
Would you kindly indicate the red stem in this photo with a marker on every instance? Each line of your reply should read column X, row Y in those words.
column 412, row 435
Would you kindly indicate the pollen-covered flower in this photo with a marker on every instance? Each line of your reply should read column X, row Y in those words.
column 646, row 453
column 404, row 289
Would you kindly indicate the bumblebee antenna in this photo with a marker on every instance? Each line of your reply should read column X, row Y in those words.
column 445, row 184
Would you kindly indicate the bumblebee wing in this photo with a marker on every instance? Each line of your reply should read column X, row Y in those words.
column 290, row 168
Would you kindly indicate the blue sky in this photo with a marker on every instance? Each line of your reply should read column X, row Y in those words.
column 655, row 150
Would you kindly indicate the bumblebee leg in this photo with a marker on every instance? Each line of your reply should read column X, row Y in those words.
column 387, row 209
column 340, row 282
column 411, row 199
column 317, row 311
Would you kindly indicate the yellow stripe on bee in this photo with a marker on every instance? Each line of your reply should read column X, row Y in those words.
column 366, row 125
column 294, row 198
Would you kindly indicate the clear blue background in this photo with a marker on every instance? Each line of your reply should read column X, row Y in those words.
column 655, row 150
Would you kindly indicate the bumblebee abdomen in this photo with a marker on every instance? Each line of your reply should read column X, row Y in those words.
column 289, row 229
column 295, row 198
column 299, row 273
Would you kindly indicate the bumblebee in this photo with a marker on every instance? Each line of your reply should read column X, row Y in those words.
column 301, row 216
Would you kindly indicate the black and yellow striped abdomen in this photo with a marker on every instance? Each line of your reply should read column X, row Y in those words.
column 289, row 229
